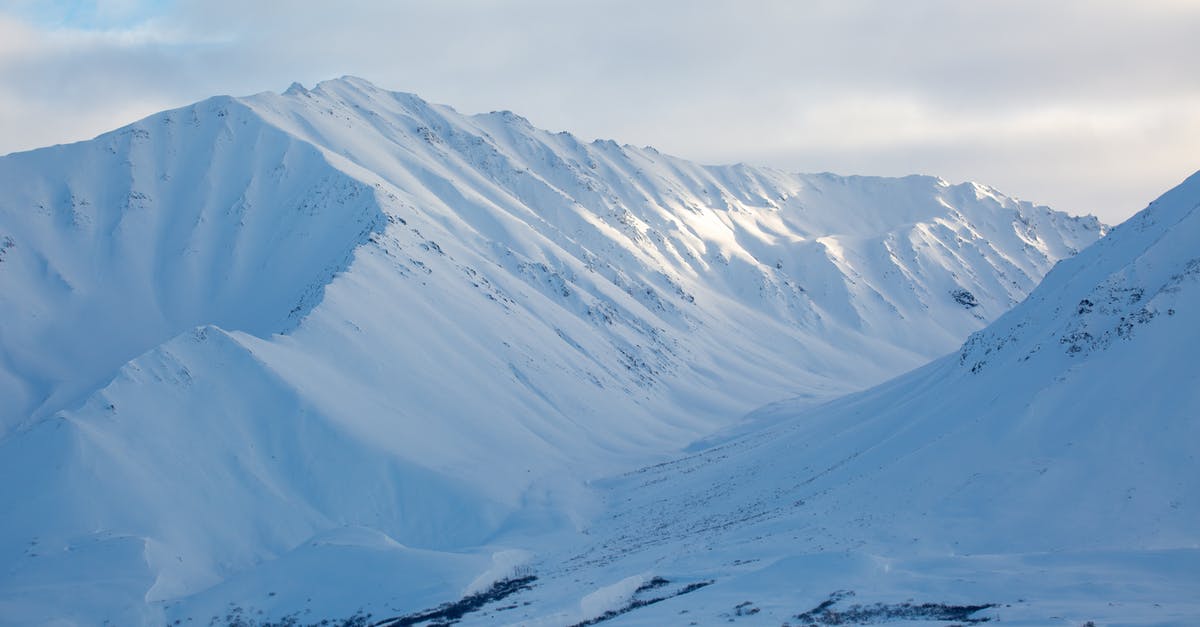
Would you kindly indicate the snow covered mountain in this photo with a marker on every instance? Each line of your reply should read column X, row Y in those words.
column 234, row 329
column 1048, row 470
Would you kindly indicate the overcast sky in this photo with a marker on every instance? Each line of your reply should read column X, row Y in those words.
column 1090, row 106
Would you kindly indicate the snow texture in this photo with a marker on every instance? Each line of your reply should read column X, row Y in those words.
column 1048, row 470
column 251, row 344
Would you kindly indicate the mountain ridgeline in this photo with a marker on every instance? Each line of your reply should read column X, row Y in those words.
column 1050, row 464
column 219, row 317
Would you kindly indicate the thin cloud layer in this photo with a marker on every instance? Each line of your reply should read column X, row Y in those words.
column 1086, row 106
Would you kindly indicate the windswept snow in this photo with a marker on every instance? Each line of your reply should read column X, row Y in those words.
column 1049, row 469
column 203, row 215
column 234, row 329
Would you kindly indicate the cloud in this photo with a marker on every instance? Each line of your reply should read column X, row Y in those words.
column 1087, row 105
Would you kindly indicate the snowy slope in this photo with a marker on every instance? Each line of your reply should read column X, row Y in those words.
column 236, row 212
column 1049, row 467
column 233, row 329
column 191, row 217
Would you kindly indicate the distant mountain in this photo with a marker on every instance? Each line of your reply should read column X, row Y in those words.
column 1050, row 466
column 233, row 328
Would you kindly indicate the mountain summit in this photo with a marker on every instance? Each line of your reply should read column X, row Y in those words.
column 346, row 317
column 239, row 212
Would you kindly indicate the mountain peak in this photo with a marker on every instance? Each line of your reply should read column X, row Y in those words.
column 348, row 80
column 355, row 86
column 455, row 313
column 296, row 89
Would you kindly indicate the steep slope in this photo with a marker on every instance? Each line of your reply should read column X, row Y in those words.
column 204, row 215
column 236, row 328
column 1049, row 466
column 235, row 212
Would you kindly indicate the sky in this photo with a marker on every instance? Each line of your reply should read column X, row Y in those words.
column 1089, row 106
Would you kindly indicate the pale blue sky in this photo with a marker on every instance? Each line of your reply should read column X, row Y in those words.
column 1091, row 106
column 91, row 15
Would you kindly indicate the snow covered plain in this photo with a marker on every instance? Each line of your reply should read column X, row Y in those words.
column 341, row 349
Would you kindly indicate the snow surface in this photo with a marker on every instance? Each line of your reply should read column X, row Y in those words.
column 1049, row 469
column 255, row 343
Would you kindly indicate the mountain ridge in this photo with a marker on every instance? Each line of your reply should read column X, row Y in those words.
column 477, row 314
column 209, row 116
column 1056, row 481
